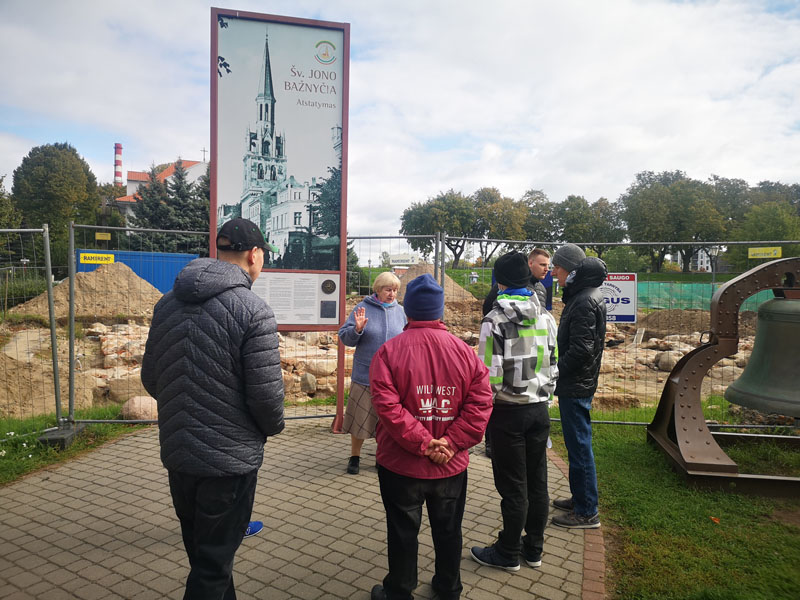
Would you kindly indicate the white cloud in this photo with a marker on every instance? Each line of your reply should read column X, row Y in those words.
column 12, row 150
column 573, row 97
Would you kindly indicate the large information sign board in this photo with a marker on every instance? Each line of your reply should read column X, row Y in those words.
column 279, row 102
column 619, row 293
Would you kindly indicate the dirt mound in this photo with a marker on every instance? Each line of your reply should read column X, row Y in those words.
column 461, row 309
column 452, row 291
column 107, row 292
column 26, row 388
column 661, row 323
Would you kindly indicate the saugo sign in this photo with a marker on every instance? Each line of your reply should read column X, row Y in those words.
column 619, row 293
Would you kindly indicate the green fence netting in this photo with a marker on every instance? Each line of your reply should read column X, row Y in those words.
column 668, row 295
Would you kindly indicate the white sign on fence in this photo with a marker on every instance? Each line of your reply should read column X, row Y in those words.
column 619, row 292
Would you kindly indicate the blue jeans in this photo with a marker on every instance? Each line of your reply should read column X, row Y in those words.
column 576, row 423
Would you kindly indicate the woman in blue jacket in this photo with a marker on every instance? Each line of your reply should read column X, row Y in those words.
column 374, row 320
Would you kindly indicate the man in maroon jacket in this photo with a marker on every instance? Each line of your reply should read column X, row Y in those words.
column 433, row 401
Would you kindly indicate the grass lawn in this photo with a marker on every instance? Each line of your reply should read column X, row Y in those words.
column 664, row 540
column 21, row 453
column 668, row 541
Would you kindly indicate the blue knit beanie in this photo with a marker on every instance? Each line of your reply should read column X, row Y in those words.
column 424, row 299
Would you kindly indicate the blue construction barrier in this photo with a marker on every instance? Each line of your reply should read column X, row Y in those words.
column 157, row 268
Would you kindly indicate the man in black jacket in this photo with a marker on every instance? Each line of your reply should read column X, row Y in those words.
column 212, row 363
column 581, row 337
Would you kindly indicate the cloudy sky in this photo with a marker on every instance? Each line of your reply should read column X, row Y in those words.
column 570, row 97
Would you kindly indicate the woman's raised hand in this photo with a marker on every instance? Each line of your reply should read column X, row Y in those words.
column 361, row 319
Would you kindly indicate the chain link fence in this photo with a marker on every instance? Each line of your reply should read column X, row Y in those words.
column 92, row 327
column 672, row 318
column 30, row 362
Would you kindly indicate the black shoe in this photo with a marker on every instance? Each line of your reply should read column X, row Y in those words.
column 377, row 593
column 489, row 557
column 533, row 560
column 352, row 465
column 573, row 520
column 564, row 504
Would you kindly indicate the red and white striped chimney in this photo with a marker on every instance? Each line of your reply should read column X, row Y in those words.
column 118, row 164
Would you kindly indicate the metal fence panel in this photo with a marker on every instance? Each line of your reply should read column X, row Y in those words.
column 107, row 323
column 29, row 359
column 671, row 319
column 112, row 308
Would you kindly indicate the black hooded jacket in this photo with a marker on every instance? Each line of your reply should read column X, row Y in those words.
column 212, row 363
column 582, row 331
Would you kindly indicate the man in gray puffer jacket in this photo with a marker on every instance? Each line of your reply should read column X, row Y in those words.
column 212, row 363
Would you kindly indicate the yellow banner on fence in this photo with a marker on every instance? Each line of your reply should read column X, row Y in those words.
column 88, row 258
column 771, row 252
column 102, row 236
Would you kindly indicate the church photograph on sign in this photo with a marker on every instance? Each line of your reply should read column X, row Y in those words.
column 279, row 107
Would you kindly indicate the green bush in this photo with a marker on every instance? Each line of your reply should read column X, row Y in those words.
column 16, row 290
column 479, row 290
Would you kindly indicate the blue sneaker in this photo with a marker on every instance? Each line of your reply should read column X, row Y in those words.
column 253, row 528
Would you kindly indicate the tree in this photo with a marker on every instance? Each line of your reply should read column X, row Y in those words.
column 450, row 212
column 646, row 210
column 108, row 214
column 386, row 261
column 693, row 218
column 10, row 218
column 540, row 222
column 605, row 225
column 173, row 204
column 574, row 220
column 354, row 272
column 326, row 209
column 203, row 193
column 54, row 185
column 623, row 259
column 152, row 211
column 769, row 221
column 108, row 192
column 774, row 191
column 498, row 218
column 189, row 211
column 732, row 199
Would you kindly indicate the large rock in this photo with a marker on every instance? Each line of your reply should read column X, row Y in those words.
column 666, row 361
column 321, row 367
column 308, row 383
column 125, row 388
column 140, row 408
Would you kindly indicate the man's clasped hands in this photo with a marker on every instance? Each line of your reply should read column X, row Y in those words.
column 439, row 451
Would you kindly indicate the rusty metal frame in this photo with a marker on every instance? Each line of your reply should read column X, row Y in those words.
column 679, row 428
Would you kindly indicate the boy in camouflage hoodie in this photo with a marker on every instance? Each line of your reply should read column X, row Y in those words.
column 518, row 344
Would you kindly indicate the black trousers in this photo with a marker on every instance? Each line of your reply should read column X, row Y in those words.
column 403, row 498
column 519, row 462
column 214, row 513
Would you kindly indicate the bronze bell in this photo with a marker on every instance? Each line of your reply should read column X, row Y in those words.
column 771, row 381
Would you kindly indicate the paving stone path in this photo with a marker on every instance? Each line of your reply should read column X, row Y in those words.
column 102, row 527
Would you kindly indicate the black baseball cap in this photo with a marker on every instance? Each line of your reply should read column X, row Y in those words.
column 242, row 235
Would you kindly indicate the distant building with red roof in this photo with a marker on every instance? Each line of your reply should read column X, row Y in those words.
column 195, row 169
